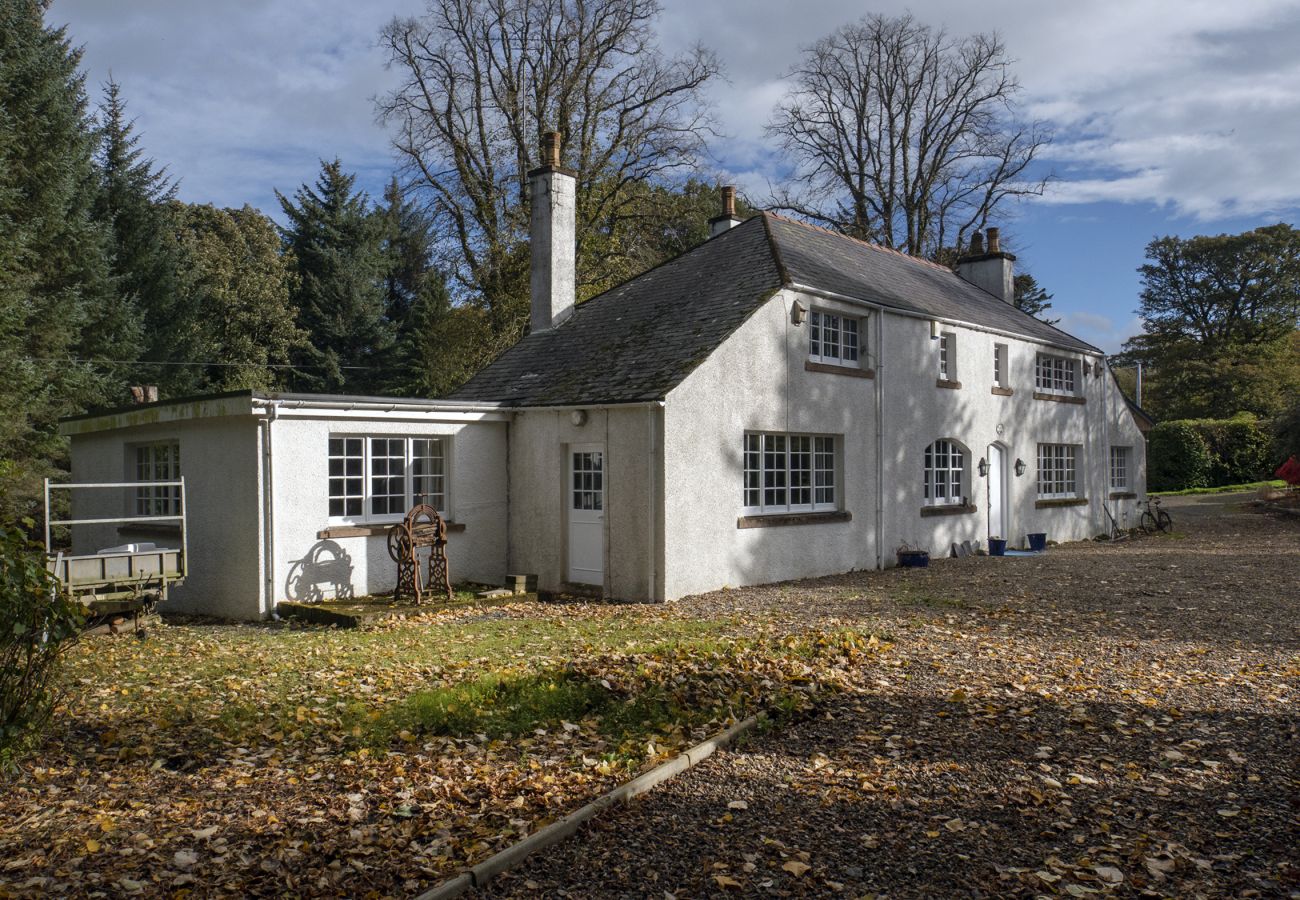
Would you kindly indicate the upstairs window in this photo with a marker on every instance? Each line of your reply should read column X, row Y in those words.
column 158, row 462
column 945, row 473
column 1119, row 468
column 1055, row 374
column 833, row 339
column 380, row 478
column 999, row 365
column 789, row 473
column 947, row 356
column 1056, row 471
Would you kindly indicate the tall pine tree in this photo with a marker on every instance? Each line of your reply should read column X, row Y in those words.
column 56, row 300
column 133, row 204
column 336, row 242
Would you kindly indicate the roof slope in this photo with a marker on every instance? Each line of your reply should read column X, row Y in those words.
column 638, row 341
column 816, row 258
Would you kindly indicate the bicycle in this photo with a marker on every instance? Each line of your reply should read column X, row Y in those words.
column 1155, row 521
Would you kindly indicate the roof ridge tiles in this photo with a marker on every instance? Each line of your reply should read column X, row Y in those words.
column 873, row 246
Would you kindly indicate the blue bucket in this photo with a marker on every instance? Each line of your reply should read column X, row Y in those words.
column 1037, row 541
column 997, row 547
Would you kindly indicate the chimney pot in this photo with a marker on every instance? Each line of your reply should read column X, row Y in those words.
column 988, row 267
column 729, row 200
column 551, row 149
column 994, row 244
column 977, row 243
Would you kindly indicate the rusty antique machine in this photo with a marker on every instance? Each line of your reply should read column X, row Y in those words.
column 421, row 528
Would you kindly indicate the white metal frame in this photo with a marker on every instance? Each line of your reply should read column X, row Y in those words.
column 952, row 449
column 819, row 446
column 1058, row 465
column 1057, row 375
column 817, row 329
column 367, row 517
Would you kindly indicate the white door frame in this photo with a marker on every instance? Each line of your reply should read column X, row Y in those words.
column 996, row 489
column 584, row 503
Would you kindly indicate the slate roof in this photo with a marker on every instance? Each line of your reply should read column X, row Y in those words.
column 638, row 341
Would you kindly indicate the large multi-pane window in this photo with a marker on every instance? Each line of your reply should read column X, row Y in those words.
column 1119, row 468
column 158, row 462
column 789, row 473
column 1056, row 471
column 832, row 339
column 1055, row 374
column 945, row 473
column 383, row 477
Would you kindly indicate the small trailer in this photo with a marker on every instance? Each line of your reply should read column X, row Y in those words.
column 126, row 580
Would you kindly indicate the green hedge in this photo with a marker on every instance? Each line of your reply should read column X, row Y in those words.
column 1194, row 453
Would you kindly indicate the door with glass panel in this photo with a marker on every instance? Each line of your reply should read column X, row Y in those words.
column 585, row 497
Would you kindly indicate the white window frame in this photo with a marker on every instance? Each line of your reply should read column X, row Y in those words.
column 829, row 338
column 1000, row 365
column 940, row 479
column 1057, row 375
column 410, row 480
column 1120, row 459
column 947, row 356
column 789, row 473
column 156, row 461
column 1058, row 472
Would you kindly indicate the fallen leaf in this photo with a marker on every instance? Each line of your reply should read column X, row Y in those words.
column 737, row 804
column 726, row 881
column 1109, row 874
column 796, row 868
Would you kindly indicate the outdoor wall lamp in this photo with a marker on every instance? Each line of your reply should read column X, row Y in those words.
column 798, row 313
column 1020, row 467
column 984, row 468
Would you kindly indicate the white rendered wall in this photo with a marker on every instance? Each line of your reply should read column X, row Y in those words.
column 917, row 412
column 756, row 381
column 477, row 499
column 219, row 460
column 539, row 442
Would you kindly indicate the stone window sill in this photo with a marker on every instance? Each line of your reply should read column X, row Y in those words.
column 831, row 369
column 1003, row 391
column 335, row 532
column 950, row 385
column 781, row 519
column 950, row 509
column 1060, row 501
column 1059, row 398
column 1123, row 495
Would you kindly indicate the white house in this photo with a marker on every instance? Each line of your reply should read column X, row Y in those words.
column 777, row 403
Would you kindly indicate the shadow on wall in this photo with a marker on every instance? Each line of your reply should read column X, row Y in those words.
column 326, row 567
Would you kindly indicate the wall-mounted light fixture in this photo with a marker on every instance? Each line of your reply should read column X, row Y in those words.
column 1020, row 467
column 798, row 313
column 934, row 329
column 578, row 417
column 984, row 468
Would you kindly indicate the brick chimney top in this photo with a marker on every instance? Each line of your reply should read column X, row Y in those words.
column 729, row 200
column 977, row 243
column 551, row 149
column 994, row 244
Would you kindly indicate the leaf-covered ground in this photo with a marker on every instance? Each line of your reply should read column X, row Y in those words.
column 1106, row 719
column 240, row 761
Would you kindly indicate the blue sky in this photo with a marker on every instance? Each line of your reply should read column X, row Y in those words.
column 1171, row 116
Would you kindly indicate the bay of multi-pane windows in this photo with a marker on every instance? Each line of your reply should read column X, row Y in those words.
column 387, row 476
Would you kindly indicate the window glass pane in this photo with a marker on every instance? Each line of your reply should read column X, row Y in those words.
column 428, row 482
column 346, row 482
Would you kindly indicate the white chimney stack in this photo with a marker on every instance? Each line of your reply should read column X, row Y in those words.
column 989, row 269
column 552, row 237
column 727, row 220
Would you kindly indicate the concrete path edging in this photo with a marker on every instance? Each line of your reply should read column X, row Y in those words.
column 516, row 853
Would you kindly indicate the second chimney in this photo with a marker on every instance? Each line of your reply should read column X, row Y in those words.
column 552, row 238
column 727, row 220
column 990, row 269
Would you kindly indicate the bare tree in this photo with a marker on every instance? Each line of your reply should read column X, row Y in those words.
column 903, row 135
column 483, row 79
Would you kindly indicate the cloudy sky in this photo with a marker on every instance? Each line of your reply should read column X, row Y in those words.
column 1171, row 116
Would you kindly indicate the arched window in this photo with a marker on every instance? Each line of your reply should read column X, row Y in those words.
column 945, row 473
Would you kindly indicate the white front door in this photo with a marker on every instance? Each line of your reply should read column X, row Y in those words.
column 586, row 499
column 997, row 492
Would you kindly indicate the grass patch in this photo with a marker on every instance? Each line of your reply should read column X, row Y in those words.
column 1222, row 489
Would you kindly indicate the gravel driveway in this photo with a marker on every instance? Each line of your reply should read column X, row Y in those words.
column 1104, row 719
